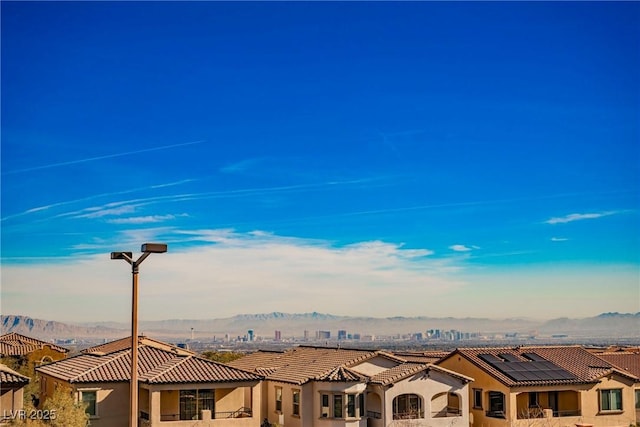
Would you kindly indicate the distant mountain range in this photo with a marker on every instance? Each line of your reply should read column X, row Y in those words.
column 612, row 325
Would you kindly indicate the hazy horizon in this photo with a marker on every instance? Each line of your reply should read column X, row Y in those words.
column 437, row 159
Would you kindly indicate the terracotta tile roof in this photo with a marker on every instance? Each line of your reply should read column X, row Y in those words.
column 125, row 343
column 306, row 363
column 300, row 364
column 157, row 364
column 11, row 377
column 422, row 356
column 398, row 372
column 405, row 370
column 625, row 361
column 191, row 369
column 342, row 374
column 14, row 344
column 582, row 366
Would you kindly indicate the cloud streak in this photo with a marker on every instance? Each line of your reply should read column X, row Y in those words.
column 148, row 219
column 460, row 248
column 107, row 156
column 578, row 217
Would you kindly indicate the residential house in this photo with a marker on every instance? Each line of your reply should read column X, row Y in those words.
column 11, row 392
column 29, row 350
column 311, row 386
column 550, row 386
column 627, row 360
column 176, row 387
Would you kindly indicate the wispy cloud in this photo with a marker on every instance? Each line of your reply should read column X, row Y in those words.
column 130, row 205
column 94, row 197
column 460, row 248
column 242, row 165
column 148, row 219
column 106, row 156
column 559, row 239
column 578, row 217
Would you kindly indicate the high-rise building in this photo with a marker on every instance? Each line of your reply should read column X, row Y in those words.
column 278, row 336
column 342, row 334
column 250, row 335
column 323, row 335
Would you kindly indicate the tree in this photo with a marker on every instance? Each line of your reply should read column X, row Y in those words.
column 21, row 365
column 221, row 356
column 60, row 410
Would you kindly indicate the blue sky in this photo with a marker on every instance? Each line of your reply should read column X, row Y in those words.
column 419, row 158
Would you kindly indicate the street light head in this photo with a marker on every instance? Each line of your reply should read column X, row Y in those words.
column 155, row 248
column 121, row 255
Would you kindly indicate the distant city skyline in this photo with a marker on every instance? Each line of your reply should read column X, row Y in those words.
column 365, row 159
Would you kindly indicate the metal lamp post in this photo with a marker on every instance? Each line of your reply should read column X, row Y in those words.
column 147, row 249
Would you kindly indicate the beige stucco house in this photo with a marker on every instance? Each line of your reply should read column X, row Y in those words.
column 627, row 361
column 176, row 388
column 554, row 386
column 30, row 351
column 11, row 392
column 333, row 387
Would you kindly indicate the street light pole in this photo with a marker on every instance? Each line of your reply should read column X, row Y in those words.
column 147, row 249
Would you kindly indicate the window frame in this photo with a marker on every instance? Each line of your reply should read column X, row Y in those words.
column 338, row 397
column 325, row 408
column 89, row 391
column 493, row 411
column 202, row 398
column 278, row 399
column 610, row 400
column 295, row 403
column 403, row 406
column 477, row 398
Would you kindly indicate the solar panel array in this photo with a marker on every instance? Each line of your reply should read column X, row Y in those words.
column 534, row 369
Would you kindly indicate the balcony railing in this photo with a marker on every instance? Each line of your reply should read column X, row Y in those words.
column 496, row 414
column 449, row 411
column 411, row 415
column 373, row 414
column 238, row 413
column 568, row 413
column 531, row 413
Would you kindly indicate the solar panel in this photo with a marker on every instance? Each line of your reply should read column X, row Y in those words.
column 533, row 356
column 509, row 357
column 534, row 369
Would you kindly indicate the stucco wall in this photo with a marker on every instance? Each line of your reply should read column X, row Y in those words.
column 587, row 394
column 11, row 399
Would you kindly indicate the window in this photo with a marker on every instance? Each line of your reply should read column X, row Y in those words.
column 477, row 398
column 192, row 402
column 637, row 399
column 341, row 405
column 278, row 398
column 407, row 407
column 337, row 406
column 496, row 405
column 296, row 402
column 325, row 405
column 611, row 400
column 89, row 398
column 533, row 399
column 351, row 405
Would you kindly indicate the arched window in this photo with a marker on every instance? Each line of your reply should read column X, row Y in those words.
column 408, row 407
